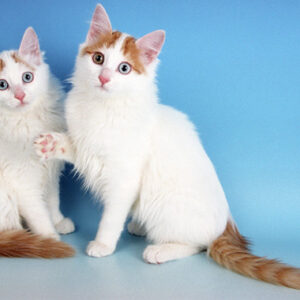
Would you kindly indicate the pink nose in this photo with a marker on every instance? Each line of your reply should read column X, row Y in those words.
column 20, row 95
column 103, row 79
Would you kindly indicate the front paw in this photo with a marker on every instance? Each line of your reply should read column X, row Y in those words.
column 97, row 249
column 45, row 146
column 65, row 226
column 54, row 236
column 135, row 229
column 49, row 146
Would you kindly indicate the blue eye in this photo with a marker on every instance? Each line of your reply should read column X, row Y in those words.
column 27, row 77
column 3, row 85
column 124, row 68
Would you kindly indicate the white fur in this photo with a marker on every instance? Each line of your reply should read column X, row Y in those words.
column 143, row 158
column 29, row 188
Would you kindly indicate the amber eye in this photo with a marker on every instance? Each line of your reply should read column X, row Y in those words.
column 98, row 58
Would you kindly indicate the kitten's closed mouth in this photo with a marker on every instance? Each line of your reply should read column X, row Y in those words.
column 22, row 104
column 102, row 87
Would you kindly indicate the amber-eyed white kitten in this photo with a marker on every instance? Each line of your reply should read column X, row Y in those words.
column 145, row 159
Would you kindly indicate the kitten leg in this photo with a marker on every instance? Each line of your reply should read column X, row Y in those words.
column 36, row 215
column 54, row 145
column 63, row 225
column 110, row 228
column 157, row 254
column 9, row 214
column 135, row 228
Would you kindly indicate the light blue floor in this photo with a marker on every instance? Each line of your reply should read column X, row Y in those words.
column 124, row 275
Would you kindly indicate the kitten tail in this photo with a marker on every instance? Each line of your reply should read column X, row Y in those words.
column 231, row 251
column 21, row 243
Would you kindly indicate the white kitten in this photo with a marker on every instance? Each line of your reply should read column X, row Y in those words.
column 29, row 188
column 145, row 158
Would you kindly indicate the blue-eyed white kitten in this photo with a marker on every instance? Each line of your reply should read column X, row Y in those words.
column 29, row 188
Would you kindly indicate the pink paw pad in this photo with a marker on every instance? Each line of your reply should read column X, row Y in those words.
column 44, row 143
column 53, row 147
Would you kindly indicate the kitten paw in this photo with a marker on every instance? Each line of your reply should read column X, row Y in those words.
column 135, row 229
column 152, row 255
column 65, row 226
column 97, row 249
column 54, row 236
column 158, row 254
column 47, row 145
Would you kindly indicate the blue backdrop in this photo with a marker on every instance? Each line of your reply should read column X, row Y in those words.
column 233, row 67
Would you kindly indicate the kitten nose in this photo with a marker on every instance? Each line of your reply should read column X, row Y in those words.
column 103, row 79
column 105, row 75
column 20, row 95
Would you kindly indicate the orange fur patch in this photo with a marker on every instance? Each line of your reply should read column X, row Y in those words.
column 231, row 251
column 2, row 64
column 108, row 39
column 18, row 59
column 21, row 243
column 132, row 52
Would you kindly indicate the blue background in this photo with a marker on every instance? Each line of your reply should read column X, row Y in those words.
column 234, row 68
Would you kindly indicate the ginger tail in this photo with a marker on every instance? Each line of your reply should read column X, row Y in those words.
column 21, row 243
column 231, row 250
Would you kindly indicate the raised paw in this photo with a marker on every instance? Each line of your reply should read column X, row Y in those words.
column 97, row 249
column 45, row 146
column 65, row 226
column 48, row 146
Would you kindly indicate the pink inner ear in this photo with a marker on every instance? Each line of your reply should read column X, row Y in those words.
column 100, row 24
column 150, row 45
column 30, row 48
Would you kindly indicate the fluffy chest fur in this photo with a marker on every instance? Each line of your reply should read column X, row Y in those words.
column 108, row 139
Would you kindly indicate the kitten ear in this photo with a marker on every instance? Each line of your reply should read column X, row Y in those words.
column 100, row 24
column 29, row 48
column 150, row 45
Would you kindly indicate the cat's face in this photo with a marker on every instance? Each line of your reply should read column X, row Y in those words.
column 113, row 62
column 21, row 74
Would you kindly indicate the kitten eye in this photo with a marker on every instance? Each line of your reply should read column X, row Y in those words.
column 98, row 58
column 3, row 85
column 124, row 68
column 27, row 77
